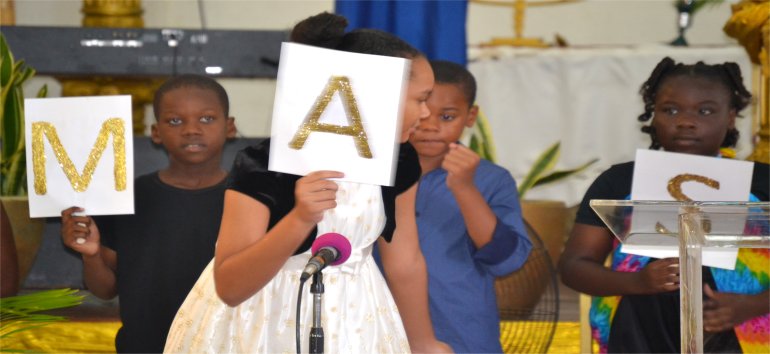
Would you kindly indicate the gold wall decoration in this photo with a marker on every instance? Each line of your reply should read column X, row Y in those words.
column 519, row 8
column 7, row 13
column 750, row 25
column 675, row 185
column 79, row 182
column 141, row 90
column 355, row 129
column 114, row 14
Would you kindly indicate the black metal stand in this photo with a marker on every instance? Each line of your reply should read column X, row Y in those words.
column 685, row 8
column 316, row 331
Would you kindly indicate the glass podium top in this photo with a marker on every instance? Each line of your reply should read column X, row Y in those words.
column 656, row 223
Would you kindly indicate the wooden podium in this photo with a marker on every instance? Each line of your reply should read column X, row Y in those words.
column 700, row 224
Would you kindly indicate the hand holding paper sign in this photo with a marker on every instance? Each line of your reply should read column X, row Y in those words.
column 79, row 232
column 692, row 108
column 315, row 194
column 336, row 113
column 660, row 276
column 79, row 152
column 685, row 177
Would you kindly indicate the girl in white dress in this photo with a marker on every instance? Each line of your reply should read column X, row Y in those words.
column 245, row 300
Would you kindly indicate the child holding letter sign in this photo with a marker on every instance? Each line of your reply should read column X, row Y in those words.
column 693, row 110
column 245, row 300
column 151, row 259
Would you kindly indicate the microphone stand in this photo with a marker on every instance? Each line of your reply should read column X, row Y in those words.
column 316, row 331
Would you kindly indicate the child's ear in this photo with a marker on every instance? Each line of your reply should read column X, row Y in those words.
column 154, row 134
column 231, row 129
column 731, row 119
column 473, row 113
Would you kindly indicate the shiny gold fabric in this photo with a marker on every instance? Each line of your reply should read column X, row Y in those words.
column 66, row 337
column 99, row 337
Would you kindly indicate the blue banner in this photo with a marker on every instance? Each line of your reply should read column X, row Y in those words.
column 436, row 28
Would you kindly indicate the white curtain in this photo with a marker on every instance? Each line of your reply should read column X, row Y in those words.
column 587, row 98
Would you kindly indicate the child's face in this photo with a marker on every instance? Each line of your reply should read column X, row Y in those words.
column 692, row 115
column 420, row 86
column 450, row 113
column 192, row 126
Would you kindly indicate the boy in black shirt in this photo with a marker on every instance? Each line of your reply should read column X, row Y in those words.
column 152, row 259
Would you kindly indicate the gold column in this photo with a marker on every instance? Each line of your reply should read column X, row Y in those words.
column 7, row 13
column 519, row 8
column 750, row 25
column 114, row 14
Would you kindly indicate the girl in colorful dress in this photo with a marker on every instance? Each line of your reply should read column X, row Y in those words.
column 636, row 308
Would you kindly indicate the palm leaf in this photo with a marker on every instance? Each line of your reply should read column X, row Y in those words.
column 482, row 143
column 487, row 141
column 477, row 146
column 19, row 313
column 555, row 176
column 43, row 92
column 481, row 140
column 13, row 74
column 544, row 163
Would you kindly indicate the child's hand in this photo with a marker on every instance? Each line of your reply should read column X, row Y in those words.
column 723, row 311
column 660, row 276
column 315, row 194
column 79, row 232
column 460, row 163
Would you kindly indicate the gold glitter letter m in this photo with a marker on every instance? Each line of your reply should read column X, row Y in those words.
column 355, row 129
column 79, row 182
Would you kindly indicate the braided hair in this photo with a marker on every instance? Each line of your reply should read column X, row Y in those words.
column 728, row 74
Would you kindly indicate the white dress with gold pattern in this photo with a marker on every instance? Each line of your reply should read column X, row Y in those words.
column 359, row 314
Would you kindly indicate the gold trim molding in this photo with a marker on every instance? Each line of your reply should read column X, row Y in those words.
column 750, row 25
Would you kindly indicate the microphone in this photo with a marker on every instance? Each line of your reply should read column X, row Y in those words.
column 328, row 249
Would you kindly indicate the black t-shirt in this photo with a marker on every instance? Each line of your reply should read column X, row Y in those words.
column 162, row 250
column 276, row 190
column 650, row 323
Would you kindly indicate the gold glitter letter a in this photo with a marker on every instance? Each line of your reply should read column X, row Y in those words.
column 355, row 129
column 79, row 182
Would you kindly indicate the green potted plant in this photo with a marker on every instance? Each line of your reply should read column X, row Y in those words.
column 548, row 218
column 13, row 177
column 21, row 312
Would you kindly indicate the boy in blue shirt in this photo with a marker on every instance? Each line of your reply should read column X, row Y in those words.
column 468, row 218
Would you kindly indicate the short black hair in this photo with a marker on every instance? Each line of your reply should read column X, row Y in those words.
column 191, row 80
column 447, row 72
column 727, row 74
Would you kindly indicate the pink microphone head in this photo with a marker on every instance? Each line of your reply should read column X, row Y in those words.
column 332, row 239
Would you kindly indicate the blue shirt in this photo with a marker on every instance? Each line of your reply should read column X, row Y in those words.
column 461, row 278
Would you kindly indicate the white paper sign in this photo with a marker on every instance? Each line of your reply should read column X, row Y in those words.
column 337, row 111
column 79, row 153
column 661, row 175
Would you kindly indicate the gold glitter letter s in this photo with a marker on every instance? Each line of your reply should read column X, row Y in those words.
column 675, row 185
column 79, row 182
column 355, row 129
